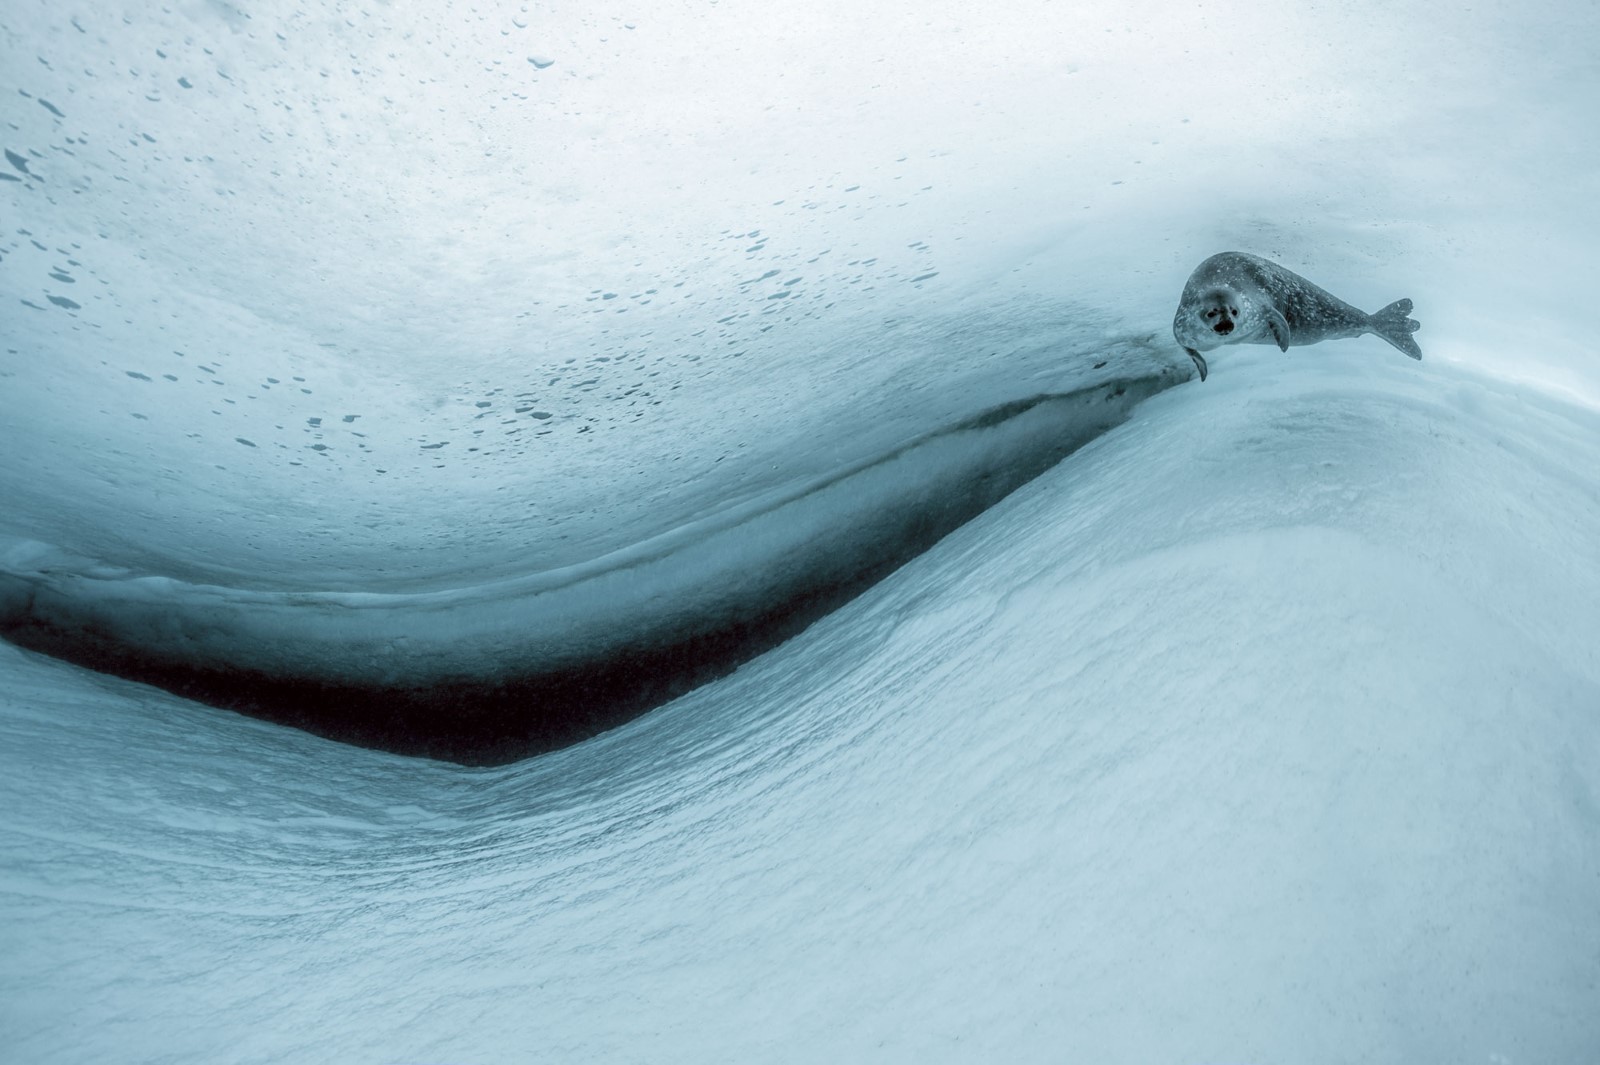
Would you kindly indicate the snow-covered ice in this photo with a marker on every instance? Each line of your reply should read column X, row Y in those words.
column 1265, row 727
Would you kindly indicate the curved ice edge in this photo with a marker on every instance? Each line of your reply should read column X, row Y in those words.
column 490, row 673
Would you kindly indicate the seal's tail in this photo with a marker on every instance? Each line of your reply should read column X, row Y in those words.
column 1392, row 325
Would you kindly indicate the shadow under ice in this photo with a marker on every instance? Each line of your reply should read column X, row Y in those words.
column 488, row 674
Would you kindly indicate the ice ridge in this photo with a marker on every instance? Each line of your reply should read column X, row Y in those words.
column 489, row 673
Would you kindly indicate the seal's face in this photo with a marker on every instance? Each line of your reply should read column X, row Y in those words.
column 1211, row 318
column 1219, row 312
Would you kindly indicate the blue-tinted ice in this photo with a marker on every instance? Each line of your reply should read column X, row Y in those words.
column 1259, row 728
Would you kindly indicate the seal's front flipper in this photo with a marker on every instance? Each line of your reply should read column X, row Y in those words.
column 1280, row 328
column 1392, row 325
column 1199, row 362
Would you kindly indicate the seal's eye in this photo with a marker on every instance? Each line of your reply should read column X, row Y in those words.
column 1234, row 311
column 1211, row 313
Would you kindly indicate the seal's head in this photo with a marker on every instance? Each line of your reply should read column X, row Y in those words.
column 1211, row 318
column 1220, row 310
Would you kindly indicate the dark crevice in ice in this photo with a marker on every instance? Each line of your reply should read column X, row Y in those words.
column 489, row 674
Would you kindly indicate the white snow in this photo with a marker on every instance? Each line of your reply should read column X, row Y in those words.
column 1266, row 728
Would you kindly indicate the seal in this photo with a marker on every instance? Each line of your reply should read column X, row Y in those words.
column 1237, row 298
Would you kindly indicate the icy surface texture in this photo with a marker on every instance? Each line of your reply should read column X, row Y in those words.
column 1262, row 729
column 486, row 673
column 312, row 298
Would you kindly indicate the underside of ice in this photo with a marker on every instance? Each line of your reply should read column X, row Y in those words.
column 499, row 670
column 1100, row 714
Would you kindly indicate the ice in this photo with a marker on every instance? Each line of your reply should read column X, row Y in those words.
column 487, row 672
column 1267, row 716
column 1261, row 728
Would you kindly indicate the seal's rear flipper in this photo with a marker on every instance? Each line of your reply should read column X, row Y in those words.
column 1199, row 362
column 1392, row 325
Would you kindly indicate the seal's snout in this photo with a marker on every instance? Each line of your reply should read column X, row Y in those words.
column 1223, row 328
